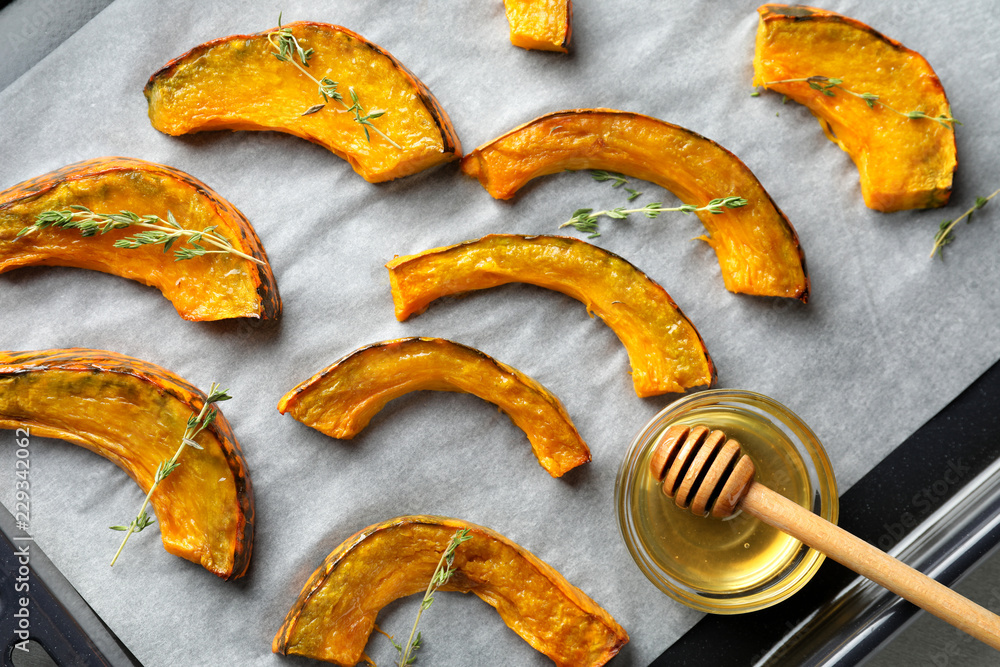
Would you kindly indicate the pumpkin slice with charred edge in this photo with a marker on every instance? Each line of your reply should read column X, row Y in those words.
column 543, row 25
column 236, row 83
column 666, row 352
column 210, row 287
column 757, row 248
column 341, row 399
column 904, row 163
column 335, row 613
column 133, row 413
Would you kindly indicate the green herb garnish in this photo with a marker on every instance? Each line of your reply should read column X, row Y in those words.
column 196, row 424
column 945, row 233
column 288, row 48
column 586, row 219
column 160, row 231
column 617, row 179
column 826, row 86
column 442, row 573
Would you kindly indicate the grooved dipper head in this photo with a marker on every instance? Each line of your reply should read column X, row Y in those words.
column 701, row 469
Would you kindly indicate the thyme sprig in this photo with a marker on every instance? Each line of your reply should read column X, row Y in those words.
column 159, row 231
column 585, row 220
column 288, row 48
column 442, row 573
column 619, row 180
column 945, row 233
column 357, row 110
column 600, row 176
column 196, row 423
column 826, row 86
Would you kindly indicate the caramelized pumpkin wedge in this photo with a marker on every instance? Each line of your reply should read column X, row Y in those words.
column 335, row 613
column 133, row 413
column 236, row 83
column 210, row 287
column 342, row 398
column 666, row 352
column 544, row 25
column 757, row 248
column 904, row 163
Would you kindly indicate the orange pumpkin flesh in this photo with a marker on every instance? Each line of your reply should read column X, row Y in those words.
column 134, row 413
column 236, row 83
column 544, row 25
column 665, row 350
column 757, row 248
column 335, row 613
column 903, row 163
column 341, row 399
column 211, row 287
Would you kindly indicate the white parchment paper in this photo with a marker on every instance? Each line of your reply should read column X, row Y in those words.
column 888, row 338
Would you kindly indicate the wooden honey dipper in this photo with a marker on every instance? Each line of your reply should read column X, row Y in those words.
column 706, row 473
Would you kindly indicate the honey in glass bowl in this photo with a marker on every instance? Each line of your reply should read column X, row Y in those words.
column 738, row 564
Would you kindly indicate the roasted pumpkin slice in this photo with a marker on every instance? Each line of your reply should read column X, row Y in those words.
column 903, row 162
column 757, row 247
column 342, row 398
column 237, row 83
column 133, row 413
column 544, row 25
column 666, row 352
column 207, row 287
column 336, row 611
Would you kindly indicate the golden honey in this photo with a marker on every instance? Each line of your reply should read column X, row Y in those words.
column 739, row 563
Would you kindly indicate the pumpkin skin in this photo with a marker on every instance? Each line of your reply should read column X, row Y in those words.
column 903, row 163
column 544, row 25
column 133, row 413
column 236, row 83
column 757, row 248
column 335, row 613
column 211, row 287
column 665, row 350
column 341, row 399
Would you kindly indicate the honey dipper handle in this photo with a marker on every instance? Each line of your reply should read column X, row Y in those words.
column 868, row 561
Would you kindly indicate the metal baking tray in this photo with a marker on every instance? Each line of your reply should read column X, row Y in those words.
column 43, row 619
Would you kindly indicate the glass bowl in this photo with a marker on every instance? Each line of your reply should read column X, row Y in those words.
column 738, row 564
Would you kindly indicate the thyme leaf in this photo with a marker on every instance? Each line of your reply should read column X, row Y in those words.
column 196, row 423
column 600, row 175
column 442, row 573
column 827, row 85
column 156, row 231
column 618, row 180
column 585, row 220
column 288, row 48
column 946, row 230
